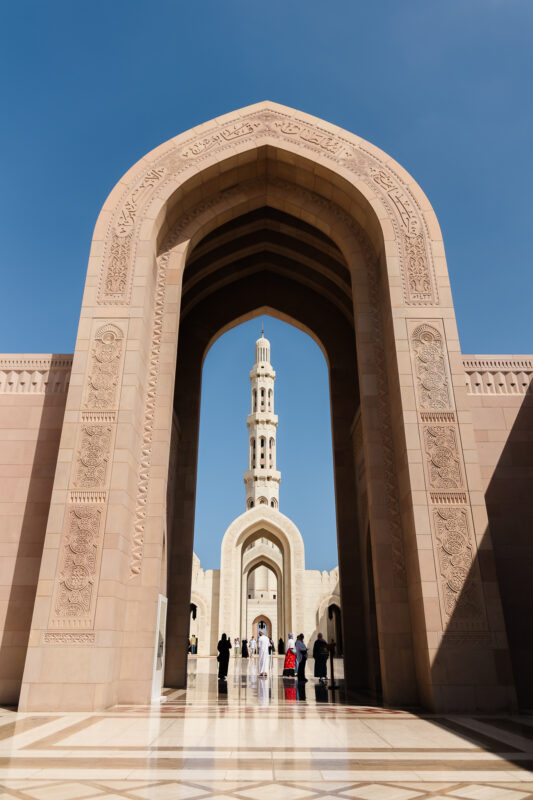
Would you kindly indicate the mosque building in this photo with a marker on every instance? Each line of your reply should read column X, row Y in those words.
column 262, row 582
column 267, row 210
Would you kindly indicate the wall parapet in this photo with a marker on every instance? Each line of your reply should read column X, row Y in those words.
column 35, row 373
column 24, row 373
column 493, row 375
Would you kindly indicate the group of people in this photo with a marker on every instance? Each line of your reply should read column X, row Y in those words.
column 264, row 647
column 295, row 658
column 250, row 646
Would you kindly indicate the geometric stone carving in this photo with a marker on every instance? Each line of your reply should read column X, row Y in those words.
column 105, row 366
column 461, row 591
column 78, row 571
column 148, row 423
column 444, row 466
column 430, row 368
column 93, row 456
column 64, row 637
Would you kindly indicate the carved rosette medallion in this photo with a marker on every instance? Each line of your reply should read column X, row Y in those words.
column 105, row 368
column 76, row 582
column 444, row 465
column 460, row 585
column 93, row 456
column 430, row 368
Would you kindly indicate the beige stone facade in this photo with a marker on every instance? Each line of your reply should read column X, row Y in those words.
column 354, row 256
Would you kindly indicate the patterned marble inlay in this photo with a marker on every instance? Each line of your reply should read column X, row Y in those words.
column 252, row 739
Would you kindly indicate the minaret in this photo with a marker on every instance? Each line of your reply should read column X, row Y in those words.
column 262, row 478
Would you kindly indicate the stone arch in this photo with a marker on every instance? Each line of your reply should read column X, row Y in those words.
column 323, row 624
column 263, row 558
column 266, row 620
column 382, row 224
column 203, row 624
column 260, row 522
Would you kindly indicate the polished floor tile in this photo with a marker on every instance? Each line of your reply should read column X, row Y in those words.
column 251, row 739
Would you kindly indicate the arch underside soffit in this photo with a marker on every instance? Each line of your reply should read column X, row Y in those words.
column 263, row 561
column 268, row 260
column 271, row 243
column 251, row 556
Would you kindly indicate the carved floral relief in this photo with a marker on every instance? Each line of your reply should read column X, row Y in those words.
column 105, row 368
column 79, row 563
column 430, row 367
column 116, row 277
column 93, row 456
column 442, row 454
column 460, row 585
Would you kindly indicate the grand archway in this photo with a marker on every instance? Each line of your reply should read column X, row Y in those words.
column 268, row 210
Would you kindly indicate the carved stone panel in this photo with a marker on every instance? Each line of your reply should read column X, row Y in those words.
column 104, row 372
column 116, row 277
column 76, row 583
column 93, row 456
column 430, row 365
column 461, row 598
column 442, row 457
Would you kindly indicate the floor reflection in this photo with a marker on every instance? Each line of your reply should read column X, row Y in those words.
column 243, row 685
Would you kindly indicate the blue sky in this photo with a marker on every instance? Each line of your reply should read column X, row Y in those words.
column 87, row 88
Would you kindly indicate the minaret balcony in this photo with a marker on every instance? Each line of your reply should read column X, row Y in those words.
column 262, row 474
column 263, row 371
column 262, row 417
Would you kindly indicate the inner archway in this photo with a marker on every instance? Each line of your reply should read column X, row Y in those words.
column 300, row 275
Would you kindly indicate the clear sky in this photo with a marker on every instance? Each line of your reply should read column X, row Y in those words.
column 88, row 87
column 304, row 453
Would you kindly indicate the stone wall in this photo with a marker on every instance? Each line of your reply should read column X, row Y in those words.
column 33, row 392
column 499, row 391
column 32, row 403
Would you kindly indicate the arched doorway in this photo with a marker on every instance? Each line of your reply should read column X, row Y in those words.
column 269, row 210
column 335, row 628
column 262, row 623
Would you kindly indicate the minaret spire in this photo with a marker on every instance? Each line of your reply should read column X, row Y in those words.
column 262, row 479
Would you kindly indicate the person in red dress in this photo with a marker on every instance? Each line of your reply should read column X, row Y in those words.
column 290, row 658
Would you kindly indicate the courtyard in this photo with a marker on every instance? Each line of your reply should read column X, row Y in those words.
column 255, row 739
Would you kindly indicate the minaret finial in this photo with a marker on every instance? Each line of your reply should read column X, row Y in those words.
column 262, row 331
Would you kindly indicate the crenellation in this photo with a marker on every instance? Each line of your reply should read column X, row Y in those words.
column 492, row 375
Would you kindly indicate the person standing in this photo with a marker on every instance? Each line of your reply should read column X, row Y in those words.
column 320, row 655
column 237, row 645
column 290, row 659
column 244, row 651
column 281, row 647
column 253, row 645
column 301, row 658
column 223, row 647
column 264, row 658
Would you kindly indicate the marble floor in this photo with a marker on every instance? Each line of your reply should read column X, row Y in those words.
column 262, row 739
